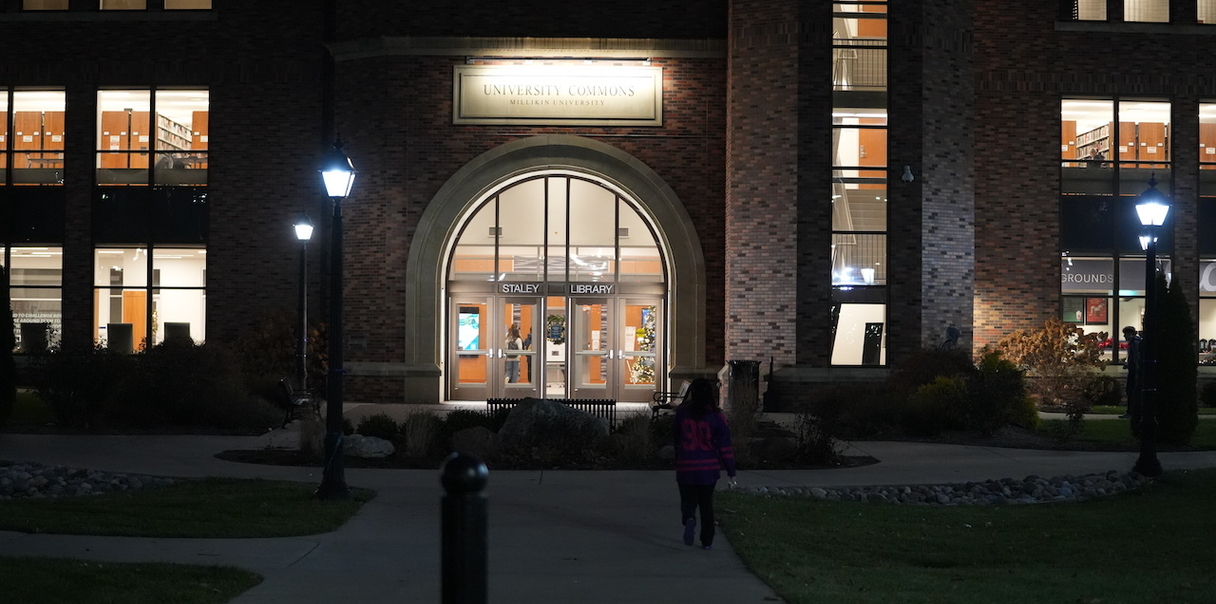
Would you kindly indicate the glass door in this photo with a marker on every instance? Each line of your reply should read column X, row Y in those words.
column 520, row 347
column 592, row 348
column 471, row 346
column 638, row 360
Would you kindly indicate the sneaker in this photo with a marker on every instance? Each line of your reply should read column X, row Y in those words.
column 707, row 547
column 1125, row 416
column 690, row 527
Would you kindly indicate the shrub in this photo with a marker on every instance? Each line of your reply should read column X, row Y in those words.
column 1025, row 414
column 817, row 428
column 1207, row 394
column 379, row 425
column 925, row 366
column 1178, row 367
column 994, row 392
column 662, row 429
column 555, row 440
column 8, row 341
column 79, row 383
column 463, row 419
column 420, row 430
column 1059, row 358
column 180, row 383
column 1102, row 390
column 862, row 410
column 935, row 407
column 634, row 438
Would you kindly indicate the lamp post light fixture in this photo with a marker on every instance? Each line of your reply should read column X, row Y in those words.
column 338, row 174
column 1152, row 210
column 303, row 228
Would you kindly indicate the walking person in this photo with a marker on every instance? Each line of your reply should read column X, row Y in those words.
column 1133, row 372
column 703, row 448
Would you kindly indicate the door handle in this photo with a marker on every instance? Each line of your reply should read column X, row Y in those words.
column 610, row 354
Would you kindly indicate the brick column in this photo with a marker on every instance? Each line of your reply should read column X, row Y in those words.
column 80, row 143
column 778, row 215
column 931, row 243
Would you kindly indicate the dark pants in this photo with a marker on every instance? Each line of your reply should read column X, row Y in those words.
column 693, row 496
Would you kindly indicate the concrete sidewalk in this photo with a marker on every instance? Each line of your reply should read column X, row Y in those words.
column 560, row 536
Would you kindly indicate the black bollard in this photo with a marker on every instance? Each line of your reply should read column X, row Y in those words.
column 463, row 477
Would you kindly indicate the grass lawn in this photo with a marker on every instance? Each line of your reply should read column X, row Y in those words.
column 1119, row 432
column 1145, row 547
column 212, row 507
column 53, row 581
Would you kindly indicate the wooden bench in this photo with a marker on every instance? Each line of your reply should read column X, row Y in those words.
column 598, row 407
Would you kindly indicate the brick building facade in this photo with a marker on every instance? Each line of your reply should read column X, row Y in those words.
column 737, row 182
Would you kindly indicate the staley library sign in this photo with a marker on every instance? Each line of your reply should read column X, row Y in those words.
column 558, row 95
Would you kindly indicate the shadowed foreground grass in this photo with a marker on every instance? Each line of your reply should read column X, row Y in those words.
column 55, row 581
column 1147, row 547
column 207, row 508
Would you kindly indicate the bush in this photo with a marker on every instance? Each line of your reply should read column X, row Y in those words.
column 463, row 419
column 936, row 407
column 925, row 366
column 817, row 429
column 1178, row 367
column 555, row 440
column 994, row 392
column 1060, row 359
column 662, row 429
column 80, row 383
column 8, row 341
column 862, row 410
column 1025, row 414
column 379, row 425
column 634, row 438
column 1207, row 394
column 420, row 430
column 1104, row 391
column 180, row 383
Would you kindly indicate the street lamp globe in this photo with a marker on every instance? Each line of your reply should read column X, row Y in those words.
column 1153, row 206
column 338, row 172
column 303, row 228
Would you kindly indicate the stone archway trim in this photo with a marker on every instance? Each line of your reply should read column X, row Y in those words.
column 437, row 227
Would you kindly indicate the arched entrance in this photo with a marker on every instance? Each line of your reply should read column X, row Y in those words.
column 556, row 287
column 444, row 285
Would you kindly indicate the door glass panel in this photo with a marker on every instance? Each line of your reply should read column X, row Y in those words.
column 520, row 347
column 591, row 342
column 554, row 333
column 471, row 344
column 639, row 343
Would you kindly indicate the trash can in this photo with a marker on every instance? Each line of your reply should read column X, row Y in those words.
column 741, row 386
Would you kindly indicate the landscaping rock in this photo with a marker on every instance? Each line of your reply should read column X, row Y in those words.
column 531, row 418
column 1032, row 489
column 36, row 481
column 371, row 447
column 478, row 440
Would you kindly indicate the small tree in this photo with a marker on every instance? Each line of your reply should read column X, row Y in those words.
column 1060, row 359
column 8, row 341
column 1177, row 367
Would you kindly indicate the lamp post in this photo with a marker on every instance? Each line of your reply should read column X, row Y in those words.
column 303, row 228
column 338, row 174
column 1152, row 210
